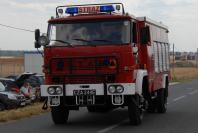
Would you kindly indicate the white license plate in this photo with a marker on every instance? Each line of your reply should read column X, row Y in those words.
column 84, row 92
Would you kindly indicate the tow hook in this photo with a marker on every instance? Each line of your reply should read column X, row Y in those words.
column 45, row 105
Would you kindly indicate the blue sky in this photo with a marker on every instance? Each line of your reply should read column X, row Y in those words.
column 181, row 16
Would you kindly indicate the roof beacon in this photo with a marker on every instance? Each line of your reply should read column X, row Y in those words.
column 116, row 8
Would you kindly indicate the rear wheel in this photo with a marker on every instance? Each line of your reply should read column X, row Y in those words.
column 151, row 106
column 161, row 101
column 135, row 111
column 59, row 115
column 2, row 107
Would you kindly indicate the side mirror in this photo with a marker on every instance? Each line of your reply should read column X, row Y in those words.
column 40, row 40
column 145, row 35
column 43, row 40
column 37, row 36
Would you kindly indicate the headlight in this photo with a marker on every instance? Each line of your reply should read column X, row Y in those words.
column 51, row 90
column 120, row 89
column 112, row 89
column 59, row 90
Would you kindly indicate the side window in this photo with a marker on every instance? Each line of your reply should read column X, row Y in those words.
column 134, row 32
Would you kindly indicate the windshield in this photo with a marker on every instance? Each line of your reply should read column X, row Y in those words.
column 90, row 33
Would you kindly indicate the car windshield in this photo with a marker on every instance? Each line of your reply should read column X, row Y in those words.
column 90, row 33
column 35, row 81
column 2, row 87
column 8, row 84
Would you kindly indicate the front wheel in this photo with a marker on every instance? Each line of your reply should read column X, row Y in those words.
column 135, row 111
column 59, row 114
column 161, row 101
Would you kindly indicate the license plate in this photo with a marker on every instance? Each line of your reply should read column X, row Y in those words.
column 84, row 92
column 23, row 104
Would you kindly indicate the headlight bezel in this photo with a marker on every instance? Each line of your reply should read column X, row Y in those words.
column 55, row 90
column 118, row 89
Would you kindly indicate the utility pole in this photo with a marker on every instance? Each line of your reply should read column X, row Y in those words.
column 197, row 58
column 173, row 59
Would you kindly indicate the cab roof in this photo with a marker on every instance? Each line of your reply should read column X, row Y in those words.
column 94, row 17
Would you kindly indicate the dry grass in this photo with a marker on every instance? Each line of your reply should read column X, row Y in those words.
column 185, row 74
column 15, row 114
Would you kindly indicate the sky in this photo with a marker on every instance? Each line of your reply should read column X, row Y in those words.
column 181, row 16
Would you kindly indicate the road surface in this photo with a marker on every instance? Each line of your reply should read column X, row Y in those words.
column 181, row 117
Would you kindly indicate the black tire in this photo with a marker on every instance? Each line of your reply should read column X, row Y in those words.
column 161, row 101
column 2, row 107
column 135, row 113
column 59, row 115
column 151, row 106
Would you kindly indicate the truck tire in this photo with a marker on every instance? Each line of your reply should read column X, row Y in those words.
column 59, row 115
column 151, row 106
column 2, row 107
column 161, row 101
column 135, row 112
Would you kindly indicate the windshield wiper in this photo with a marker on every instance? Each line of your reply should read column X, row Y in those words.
column 69, row 44
column 80, row 39
column 101, row 40
column 83, row 40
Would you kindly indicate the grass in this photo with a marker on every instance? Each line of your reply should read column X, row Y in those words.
column 16, row 114
column 184, row 74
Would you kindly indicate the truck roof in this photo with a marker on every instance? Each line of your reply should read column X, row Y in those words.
column 89, row 17
column 150, row 21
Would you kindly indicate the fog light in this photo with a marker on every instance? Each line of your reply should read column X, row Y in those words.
column 118, row 99
column 51, row 90
column 119, row 89
column 112, row 89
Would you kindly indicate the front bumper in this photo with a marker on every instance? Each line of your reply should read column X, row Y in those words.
column 101, row 89
column 101, row 95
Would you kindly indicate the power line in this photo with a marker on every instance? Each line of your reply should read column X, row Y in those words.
column 16, row 28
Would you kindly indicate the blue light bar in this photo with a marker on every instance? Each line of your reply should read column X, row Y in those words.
column 75, row 10
column 72, row 10
column 108, row 8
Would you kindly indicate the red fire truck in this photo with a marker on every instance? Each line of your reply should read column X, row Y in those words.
column 99, row 57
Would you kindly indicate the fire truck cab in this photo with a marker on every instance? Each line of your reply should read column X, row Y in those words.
column 99, row 57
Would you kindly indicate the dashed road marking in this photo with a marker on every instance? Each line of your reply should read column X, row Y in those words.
column 179, row 98
column 194, row 92
column 174, row 83
column 112, row 127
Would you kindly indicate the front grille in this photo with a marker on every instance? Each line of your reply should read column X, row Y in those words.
column 81, row 66
column 83, row 79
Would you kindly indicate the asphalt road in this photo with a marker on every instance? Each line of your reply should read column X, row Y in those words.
column 181, row 117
